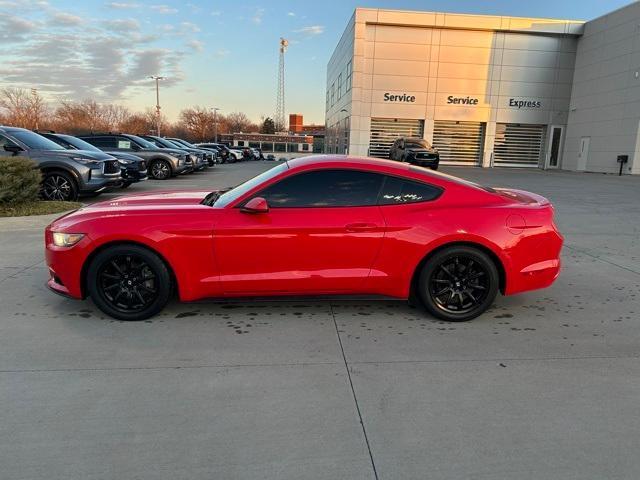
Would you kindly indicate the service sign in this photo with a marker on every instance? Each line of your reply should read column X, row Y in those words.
column 399, row 97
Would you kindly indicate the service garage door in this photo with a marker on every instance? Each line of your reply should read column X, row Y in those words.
column 518, row 145
column 459, row 143
column 384, row 132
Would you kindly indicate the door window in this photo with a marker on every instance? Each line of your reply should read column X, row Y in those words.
column 325, row 188
column 398, row 191
column 101, row 142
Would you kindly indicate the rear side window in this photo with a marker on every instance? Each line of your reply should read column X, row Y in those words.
column 325, row 188
column 399, row 191
column 101, row 142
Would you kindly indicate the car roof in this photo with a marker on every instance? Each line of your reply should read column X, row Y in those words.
column 10, row 129
column 347, row 161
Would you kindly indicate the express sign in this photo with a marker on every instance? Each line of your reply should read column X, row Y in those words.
column 526, row 103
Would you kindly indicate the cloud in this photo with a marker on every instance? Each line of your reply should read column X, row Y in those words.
column 221, row 53
column 291, row 14
column 192, row 27
column 63, row 19
column 123, row 25
column 164, row 9
column 107, row 60
column 216, row 13
column 311, row 30
column 257, row 16
column 14, row 29
column 122, row 6
column 196, row 45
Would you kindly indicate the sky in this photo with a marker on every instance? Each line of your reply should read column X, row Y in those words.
column 213, row 53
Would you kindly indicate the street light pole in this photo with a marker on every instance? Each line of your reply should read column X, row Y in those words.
column 157, row 79
column 215, row 124
column 34, row 95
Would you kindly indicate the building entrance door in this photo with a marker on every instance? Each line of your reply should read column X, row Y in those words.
column 583, row 154
column 555, row 147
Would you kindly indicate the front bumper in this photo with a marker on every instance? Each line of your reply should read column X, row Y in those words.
column 65, row 266
column 425, row 162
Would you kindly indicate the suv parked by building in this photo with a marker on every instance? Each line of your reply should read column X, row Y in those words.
column 199, row 162
column 132, row 167
column 66, row 174
column 162, row 163
column 416, row 151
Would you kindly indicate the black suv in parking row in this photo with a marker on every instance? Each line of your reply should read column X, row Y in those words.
column 162, row 163
column 416, row 151
column 65, row 173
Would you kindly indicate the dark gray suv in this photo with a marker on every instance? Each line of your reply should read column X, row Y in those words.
column 66, row 174
column 162, row 163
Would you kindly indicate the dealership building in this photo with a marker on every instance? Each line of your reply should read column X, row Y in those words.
column 489, row 90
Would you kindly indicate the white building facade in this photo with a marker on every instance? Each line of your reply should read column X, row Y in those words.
column 485, row 90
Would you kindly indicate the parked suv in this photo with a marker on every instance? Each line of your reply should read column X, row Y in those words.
column 209, row 154
column 225, row 153
column 199, row 162
column 132, row 167
column 65, row 174
column 416, row 151
column 162, row 163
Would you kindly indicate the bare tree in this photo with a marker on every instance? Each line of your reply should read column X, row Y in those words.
column 198, row 121
column 239, row 122
column 22, row 108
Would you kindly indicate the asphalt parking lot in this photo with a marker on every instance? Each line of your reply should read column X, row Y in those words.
column 544, row 386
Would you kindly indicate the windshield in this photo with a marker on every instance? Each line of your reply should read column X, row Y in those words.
column 161, row 142
column 35, row 141
column 142, row 142
column 174, row 144
column 79, row 144
column 182, row 142
column 235, row 193
column 415, row 143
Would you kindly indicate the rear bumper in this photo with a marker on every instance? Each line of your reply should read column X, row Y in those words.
column 535, row 264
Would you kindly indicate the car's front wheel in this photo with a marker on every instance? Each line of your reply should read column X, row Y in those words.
column 160, row 170
column 458, row 283
column 59, row 186
column 128, row 282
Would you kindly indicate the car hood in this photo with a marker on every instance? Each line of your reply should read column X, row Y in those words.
column 70, row 154
column 126, row 156
column 420, row 150
column 155, row 199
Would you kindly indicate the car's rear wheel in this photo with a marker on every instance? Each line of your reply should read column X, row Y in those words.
column 59, row 186
column 160, row 170
column 129, row 282
column 458, row 283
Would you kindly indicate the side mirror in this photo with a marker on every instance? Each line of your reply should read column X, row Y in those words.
column 15, row 149
column 135, row 147
column 256, row 205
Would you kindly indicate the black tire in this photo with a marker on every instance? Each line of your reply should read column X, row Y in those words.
column 434, row 167
column 60, row 186
column 160, row 170
column 129, row 282
column 458, row 283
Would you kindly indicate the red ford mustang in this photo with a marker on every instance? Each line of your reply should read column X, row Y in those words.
column 313, row 226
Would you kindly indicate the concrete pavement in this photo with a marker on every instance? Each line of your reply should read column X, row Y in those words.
column 544, row 386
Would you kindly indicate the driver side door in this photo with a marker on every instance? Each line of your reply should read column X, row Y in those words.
column 321, row 235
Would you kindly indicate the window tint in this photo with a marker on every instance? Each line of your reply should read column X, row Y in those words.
column 417, row 144
column 101, row 142
column 398, row 191
column 325, row 188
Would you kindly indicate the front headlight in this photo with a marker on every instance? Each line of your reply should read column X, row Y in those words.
column 86, row 161
column 66, row 239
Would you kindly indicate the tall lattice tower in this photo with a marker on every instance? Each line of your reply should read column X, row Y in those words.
column 280, row 114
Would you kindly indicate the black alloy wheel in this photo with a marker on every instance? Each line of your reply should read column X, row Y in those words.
column 458, row 283
column 160, row 170
column 128, row 282
column 59, row 186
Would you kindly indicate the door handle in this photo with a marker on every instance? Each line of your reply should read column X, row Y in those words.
column 360, row 227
